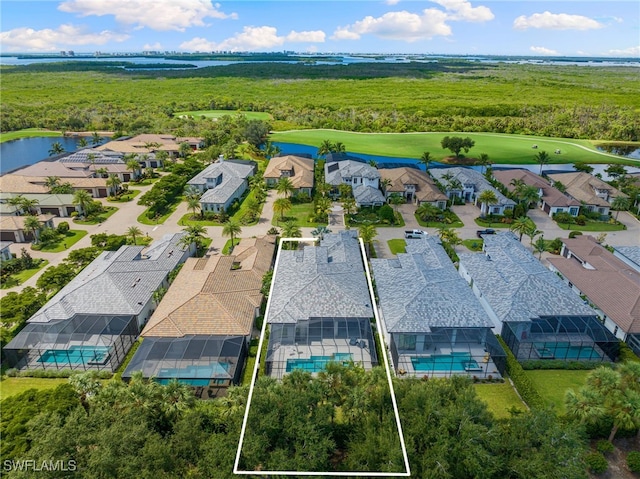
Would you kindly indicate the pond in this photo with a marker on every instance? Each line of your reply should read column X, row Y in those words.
column 27, row 151
column 622, row 149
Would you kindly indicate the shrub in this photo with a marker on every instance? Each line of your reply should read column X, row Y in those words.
column 603, row 446
column 596, row 462
column 523, row 384
column 558, row 364
column 63, row 228
column 581, row 220
column 386, row 213
column 555, row 246
column 627, row 354
column 563, row 217
column 633, row 461
column 573, row 234
column 273, row 231
column 74, row 214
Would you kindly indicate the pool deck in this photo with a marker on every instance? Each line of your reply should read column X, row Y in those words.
column 486, row 365
column 361, row 355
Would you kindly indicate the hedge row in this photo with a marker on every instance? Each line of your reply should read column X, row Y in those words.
column 627, row 354
column 523, row 384
column 558, row 364
column 52, row 373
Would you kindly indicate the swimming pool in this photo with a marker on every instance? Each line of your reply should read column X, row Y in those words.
column 318, row 363
column 446, row 362
column 195, row 375
column 91, row 355
column 565, row 350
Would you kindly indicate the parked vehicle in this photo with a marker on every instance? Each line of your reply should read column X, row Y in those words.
column 485, row 232
column 415, row 234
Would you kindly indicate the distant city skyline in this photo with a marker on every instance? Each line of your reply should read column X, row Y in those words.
column 448, row 27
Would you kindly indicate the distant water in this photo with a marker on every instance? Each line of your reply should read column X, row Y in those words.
column 27, row 151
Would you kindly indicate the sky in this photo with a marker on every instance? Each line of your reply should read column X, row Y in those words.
column 455, row 27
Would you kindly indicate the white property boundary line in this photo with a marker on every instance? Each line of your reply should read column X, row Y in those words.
column 387, row 369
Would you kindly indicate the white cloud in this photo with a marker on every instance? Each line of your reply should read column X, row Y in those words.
column 315, row 36
column 152, row 46
column 392, row 2
column 28, row 39
column 627, row 52
column 159, row 15
column 556, row 21
column 408, row 26
column 401, row 25
column 254, row 38
column 462, row 10
column 543, row 51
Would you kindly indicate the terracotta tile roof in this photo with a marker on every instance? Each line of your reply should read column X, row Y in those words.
column 138, row 143
column 20, row 184
column 52, row 168
column 209, row 297
column 302, row 170
column 581, row 186
column 609, row 283
column 551, row 196
column 16, row 223
column 426, row 189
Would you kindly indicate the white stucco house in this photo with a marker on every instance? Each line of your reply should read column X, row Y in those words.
column 222, row 183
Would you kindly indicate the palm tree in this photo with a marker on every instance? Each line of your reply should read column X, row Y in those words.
column 281, row 206
column 323, row 188
column 620, row 203
column 82, row 142
column 193, row 204
column 176, row 399
column 427, row 212
column 270, row 150
column 184, row 150
column 345, row 190
column 285, row 187
column 484, row 162
column 231, row 228
column 29, row 206
column 425, row 159
column 83, row 199
column 32, row 226
column 339, row 147
column 51, row 182
column 325, row 147
column 396, row 199
column 95, row 138
column 17, row 203
column 486, row 198
column 291, row 230
column 367, row 233
column 385, row 183
column 103, row 172
column 542, row 158
column 319, row 232
column 56, row 149
column 448, row 235
column 195, row 233
column 532, row 232
column 349, row 205
column 113, row 183
column 162, row 156
column 134, row 232
column 323, row 207
column 521, row 225
column 132, row 165
column 540, row 246
column 528, row 195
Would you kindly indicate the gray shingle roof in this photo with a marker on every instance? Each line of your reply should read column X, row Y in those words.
column 336, row 171
column 228, row 169
column 421, row 289
column 326, row 280
column 631, row 254
column 516, row 285
column 116, row 282
column 221, row 193
column 469, row 176
column 367, row 195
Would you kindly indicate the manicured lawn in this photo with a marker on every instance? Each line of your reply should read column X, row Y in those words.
column 593, row 226
column 501, row 148
column 553, row 384
column 65, row 242
column 473, row 244
column 125, row 198
column 450, row 216
column 494, row 225
column 368, row 216
column 299, row 214
column 251, row 115
column 187, row 219
column 500, row 398
column 101, row 218
column 28, row 133
column 250, row 363
column 12, row 386
column 19, row 278
column 160, row 219
column 227, row 246
column 397, row 245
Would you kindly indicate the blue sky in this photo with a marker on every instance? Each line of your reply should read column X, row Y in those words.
column 508, row 27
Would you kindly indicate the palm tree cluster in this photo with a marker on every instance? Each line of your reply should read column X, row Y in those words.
column 23, row 205
column 327, row 146
column 525, row 194
column 195, row 234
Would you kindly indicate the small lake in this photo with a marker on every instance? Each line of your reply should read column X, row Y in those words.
column 27, row 151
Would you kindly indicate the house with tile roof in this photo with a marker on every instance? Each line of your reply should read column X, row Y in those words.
column 200, row 331
column 468, row 184
column 12, row 227
column 552, row 200
column 60, row 205
column 608, row 282
column 19, row 184
column 432, row 321
column 149, row 143
column 538, row 316
column 298, row 169
column 221, row 183
column 92, row 321
column 415, row 185
column 363, row 178
column 320, row 308
column 592, row 192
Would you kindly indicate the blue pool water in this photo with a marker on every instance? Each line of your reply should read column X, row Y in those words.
column 445, row 362
column 200, row 375
column 188, row 382
column 76, row 355
column 566, row 351
column 317, row 363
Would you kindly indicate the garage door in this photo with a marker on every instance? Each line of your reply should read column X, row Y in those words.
column 7, row 236
column 51, row 211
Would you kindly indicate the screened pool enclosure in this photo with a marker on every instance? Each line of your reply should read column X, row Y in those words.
column 311, row 345
column 84, row 342
column 566, row 338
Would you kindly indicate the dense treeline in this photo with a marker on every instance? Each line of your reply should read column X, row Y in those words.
column 146, row 430
column 561, row 101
